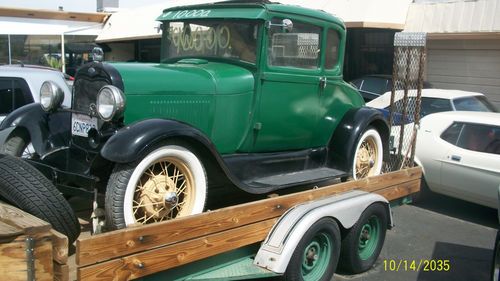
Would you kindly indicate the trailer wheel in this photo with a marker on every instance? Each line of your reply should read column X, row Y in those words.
column 362, row 244
column 368, row 155
column 26, row 188
column 166, row 183
column 20, row 146
column 317, row 253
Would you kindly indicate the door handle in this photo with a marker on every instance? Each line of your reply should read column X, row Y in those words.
column 322, row 82
column 456, row 158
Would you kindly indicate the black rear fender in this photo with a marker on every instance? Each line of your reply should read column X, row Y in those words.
column 342, row 145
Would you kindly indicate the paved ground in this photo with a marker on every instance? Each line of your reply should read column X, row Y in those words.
column 439, row 228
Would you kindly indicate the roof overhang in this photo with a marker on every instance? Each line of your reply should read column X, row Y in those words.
column 53, row 15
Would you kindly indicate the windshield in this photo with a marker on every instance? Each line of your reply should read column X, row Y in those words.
column 217, row 38
column 474, row 103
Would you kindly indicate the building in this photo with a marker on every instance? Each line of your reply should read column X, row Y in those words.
column 35, row 37
column 463, row 44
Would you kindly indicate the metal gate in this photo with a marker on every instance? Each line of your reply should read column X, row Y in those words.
column 404, row 111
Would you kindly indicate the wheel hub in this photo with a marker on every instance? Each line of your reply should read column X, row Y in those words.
column 158, row 196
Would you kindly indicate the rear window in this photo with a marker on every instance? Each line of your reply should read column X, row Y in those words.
column 475, row 103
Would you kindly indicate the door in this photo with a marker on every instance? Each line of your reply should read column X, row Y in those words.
column 471, row 168
column 14, row 93
column 289, row 88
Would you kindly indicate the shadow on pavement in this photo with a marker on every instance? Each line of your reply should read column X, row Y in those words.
column 466, row 263
column 460, row 209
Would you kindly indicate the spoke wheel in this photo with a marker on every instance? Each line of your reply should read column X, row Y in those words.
column 368, row 156
column 165, row 191
column 168, row 182
column 19, row 145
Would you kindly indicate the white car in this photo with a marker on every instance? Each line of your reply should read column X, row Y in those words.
column 20, row 85
column 459, row 153
column 432, row 101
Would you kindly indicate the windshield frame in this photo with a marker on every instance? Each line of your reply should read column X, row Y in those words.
column 165, row 42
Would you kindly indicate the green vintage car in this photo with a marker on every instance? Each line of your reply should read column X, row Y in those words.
column 249, row 94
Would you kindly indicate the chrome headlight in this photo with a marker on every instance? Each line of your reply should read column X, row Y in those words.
column 51, row 96
column 110, row 103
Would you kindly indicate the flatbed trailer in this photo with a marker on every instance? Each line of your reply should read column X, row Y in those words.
column 251, row 240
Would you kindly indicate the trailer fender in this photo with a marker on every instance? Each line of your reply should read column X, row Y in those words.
column 276, row 251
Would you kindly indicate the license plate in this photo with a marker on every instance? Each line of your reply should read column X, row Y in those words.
column 81, row 124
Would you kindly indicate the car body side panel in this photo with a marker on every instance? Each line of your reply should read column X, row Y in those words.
column 471, row 175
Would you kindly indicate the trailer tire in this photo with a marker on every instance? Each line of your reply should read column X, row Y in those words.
column 317, row 254
column 152, row 173
column 363, row 242
column 26, row 188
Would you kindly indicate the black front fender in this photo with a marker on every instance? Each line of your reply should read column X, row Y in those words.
column 343, row 143
column 46, row 131
column 130, row 142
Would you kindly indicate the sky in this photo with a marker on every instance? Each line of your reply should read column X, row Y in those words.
column 72, row 5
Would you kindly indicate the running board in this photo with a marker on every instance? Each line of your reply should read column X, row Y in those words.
column 295, row 178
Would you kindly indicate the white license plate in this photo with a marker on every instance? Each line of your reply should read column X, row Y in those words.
column 81, row 124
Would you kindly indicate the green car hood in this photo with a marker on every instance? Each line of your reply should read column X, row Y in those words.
column 213, row 97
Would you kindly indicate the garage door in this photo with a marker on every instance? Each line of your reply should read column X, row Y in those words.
column 470, row 65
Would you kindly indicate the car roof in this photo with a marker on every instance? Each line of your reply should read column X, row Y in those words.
column 258, row 9
column 492, row 118
column 385, row 99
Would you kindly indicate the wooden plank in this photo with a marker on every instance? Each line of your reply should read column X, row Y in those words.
column 13, row 259
column 401, row 190
column 132, row 240
column 61, row 272
column 20, row 219
column 156, row 260
column 59, row 247
column 9, row 232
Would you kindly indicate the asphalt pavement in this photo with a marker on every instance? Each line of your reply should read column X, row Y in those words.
column 438, row 239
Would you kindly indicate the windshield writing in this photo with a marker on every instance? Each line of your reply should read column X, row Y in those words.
column 210, row 38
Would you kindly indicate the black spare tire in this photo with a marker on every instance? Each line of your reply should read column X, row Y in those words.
column 26, row 188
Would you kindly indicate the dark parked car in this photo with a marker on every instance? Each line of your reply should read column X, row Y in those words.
column 374, row 85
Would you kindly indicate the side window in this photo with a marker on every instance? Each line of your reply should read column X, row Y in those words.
column 452, row 133
column 298, row 48
column 433, row 105
column 482, row 138
column 22, row 95
column 14, row 93
column 332, row 49
column 6, row 97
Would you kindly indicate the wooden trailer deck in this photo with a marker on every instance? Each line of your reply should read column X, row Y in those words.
column 147, row 249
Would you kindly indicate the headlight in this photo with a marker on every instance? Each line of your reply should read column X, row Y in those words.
column 51, row 96
column 110, row 103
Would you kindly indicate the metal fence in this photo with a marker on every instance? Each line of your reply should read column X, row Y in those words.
column 404, row 110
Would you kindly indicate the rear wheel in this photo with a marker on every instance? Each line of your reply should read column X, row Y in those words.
column 363, row 242
column 317, row 253
column 26, row 188
column 368, row 155
column 166, row 183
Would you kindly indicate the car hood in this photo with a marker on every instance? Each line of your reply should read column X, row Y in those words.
column 186, row 77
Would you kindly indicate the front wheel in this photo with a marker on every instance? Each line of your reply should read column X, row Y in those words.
column 317, row 253
column 166, row 183
column 368, row 155
column 19, row 145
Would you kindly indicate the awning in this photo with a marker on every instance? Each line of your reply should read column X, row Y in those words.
column 23, row 26
column 467, row 18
